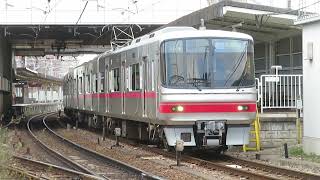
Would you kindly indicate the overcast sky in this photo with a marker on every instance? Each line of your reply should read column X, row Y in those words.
column 106, row 11
column 96, row 11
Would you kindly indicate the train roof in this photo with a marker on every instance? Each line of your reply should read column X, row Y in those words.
column 205, row 33
column 175, row 32
column 180, row 32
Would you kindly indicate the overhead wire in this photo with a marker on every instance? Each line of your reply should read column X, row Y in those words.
column 84, row 8
column 292, row 10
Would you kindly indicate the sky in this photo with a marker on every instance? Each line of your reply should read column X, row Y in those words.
column 96, row 11
column 107, row 11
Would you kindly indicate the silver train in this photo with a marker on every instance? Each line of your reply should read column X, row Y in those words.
column 176, row 83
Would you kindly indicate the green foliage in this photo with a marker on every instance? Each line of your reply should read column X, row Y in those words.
column 4, row 152
column 298, row 152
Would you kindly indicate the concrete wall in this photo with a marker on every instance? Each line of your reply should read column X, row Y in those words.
column 5, row 71
column 311, row 88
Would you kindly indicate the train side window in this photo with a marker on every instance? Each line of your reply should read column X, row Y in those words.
column 74, row 86
column 95, row 83
column 101, row 82
column 135, row 77
column 128, row 74
column 115, row 79
column 152, row 75
column 87, row 84
column 19, row 92
column 80, row 85
column 97, row 80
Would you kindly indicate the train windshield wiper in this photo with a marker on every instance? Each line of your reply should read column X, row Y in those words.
column 240, row 81
column 195, row 85
column 235, row 67
column 196, row 81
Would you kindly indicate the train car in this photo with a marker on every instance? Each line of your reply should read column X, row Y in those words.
column 176, row 83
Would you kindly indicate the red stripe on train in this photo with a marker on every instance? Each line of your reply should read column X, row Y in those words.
column 207, row 107
column 134, row 95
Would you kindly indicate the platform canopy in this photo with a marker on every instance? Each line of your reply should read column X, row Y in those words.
column 39, row 40
column 35, row 79
column 37, row 28
column 264, row 23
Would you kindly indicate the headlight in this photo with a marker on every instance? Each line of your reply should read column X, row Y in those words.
column 243, row 108
column 177, row 108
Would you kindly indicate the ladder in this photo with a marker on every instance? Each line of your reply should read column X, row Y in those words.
column 254, row 135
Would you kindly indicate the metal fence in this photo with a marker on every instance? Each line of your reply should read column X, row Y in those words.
column 279, row 91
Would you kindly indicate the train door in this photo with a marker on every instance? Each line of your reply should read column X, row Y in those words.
column 115, row 97
column 95, row 88
column 145, row 84
column 83, row 90
column 101, row 85
column 123, row 87
column 107, row 87
column 76, row 105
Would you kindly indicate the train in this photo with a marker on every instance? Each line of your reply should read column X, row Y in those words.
column 176, row 83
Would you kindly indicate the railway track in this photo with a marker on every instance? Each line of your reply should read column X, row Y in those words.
column 281, row 172
column 239, row 167
column 89, row 161
column 39, row 170
column 233, row 166
column 52, row 152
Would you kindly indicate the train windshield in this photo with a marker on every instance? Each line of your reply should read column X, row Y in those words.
column 207, row 63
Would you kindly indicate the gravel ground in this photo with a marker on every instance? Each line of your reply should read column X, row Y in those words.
column 22, row 144
column 275, row 156
column 40, row 171
column 140, row 158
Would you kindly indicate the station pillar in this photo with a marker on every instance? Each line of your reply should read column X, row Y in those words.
column 6, row 55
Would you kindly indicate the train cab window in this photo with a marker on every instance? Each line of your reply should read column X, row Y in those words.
column 207, row 63
column 135, row 77
column 101, row 82
column 115, row 80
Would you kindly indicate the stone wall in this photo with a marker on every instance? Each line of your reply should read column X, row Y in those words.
column 277, row 131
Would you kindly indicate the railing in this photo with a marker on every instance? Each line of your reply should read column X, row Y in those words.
column 258, row 87
column 279, row 91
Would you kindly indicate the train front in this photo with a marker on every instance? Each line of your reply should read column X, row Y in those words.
column 208, row 96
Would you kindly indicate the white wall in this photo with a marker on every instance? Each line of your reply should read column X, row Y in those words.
column 311, row 88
